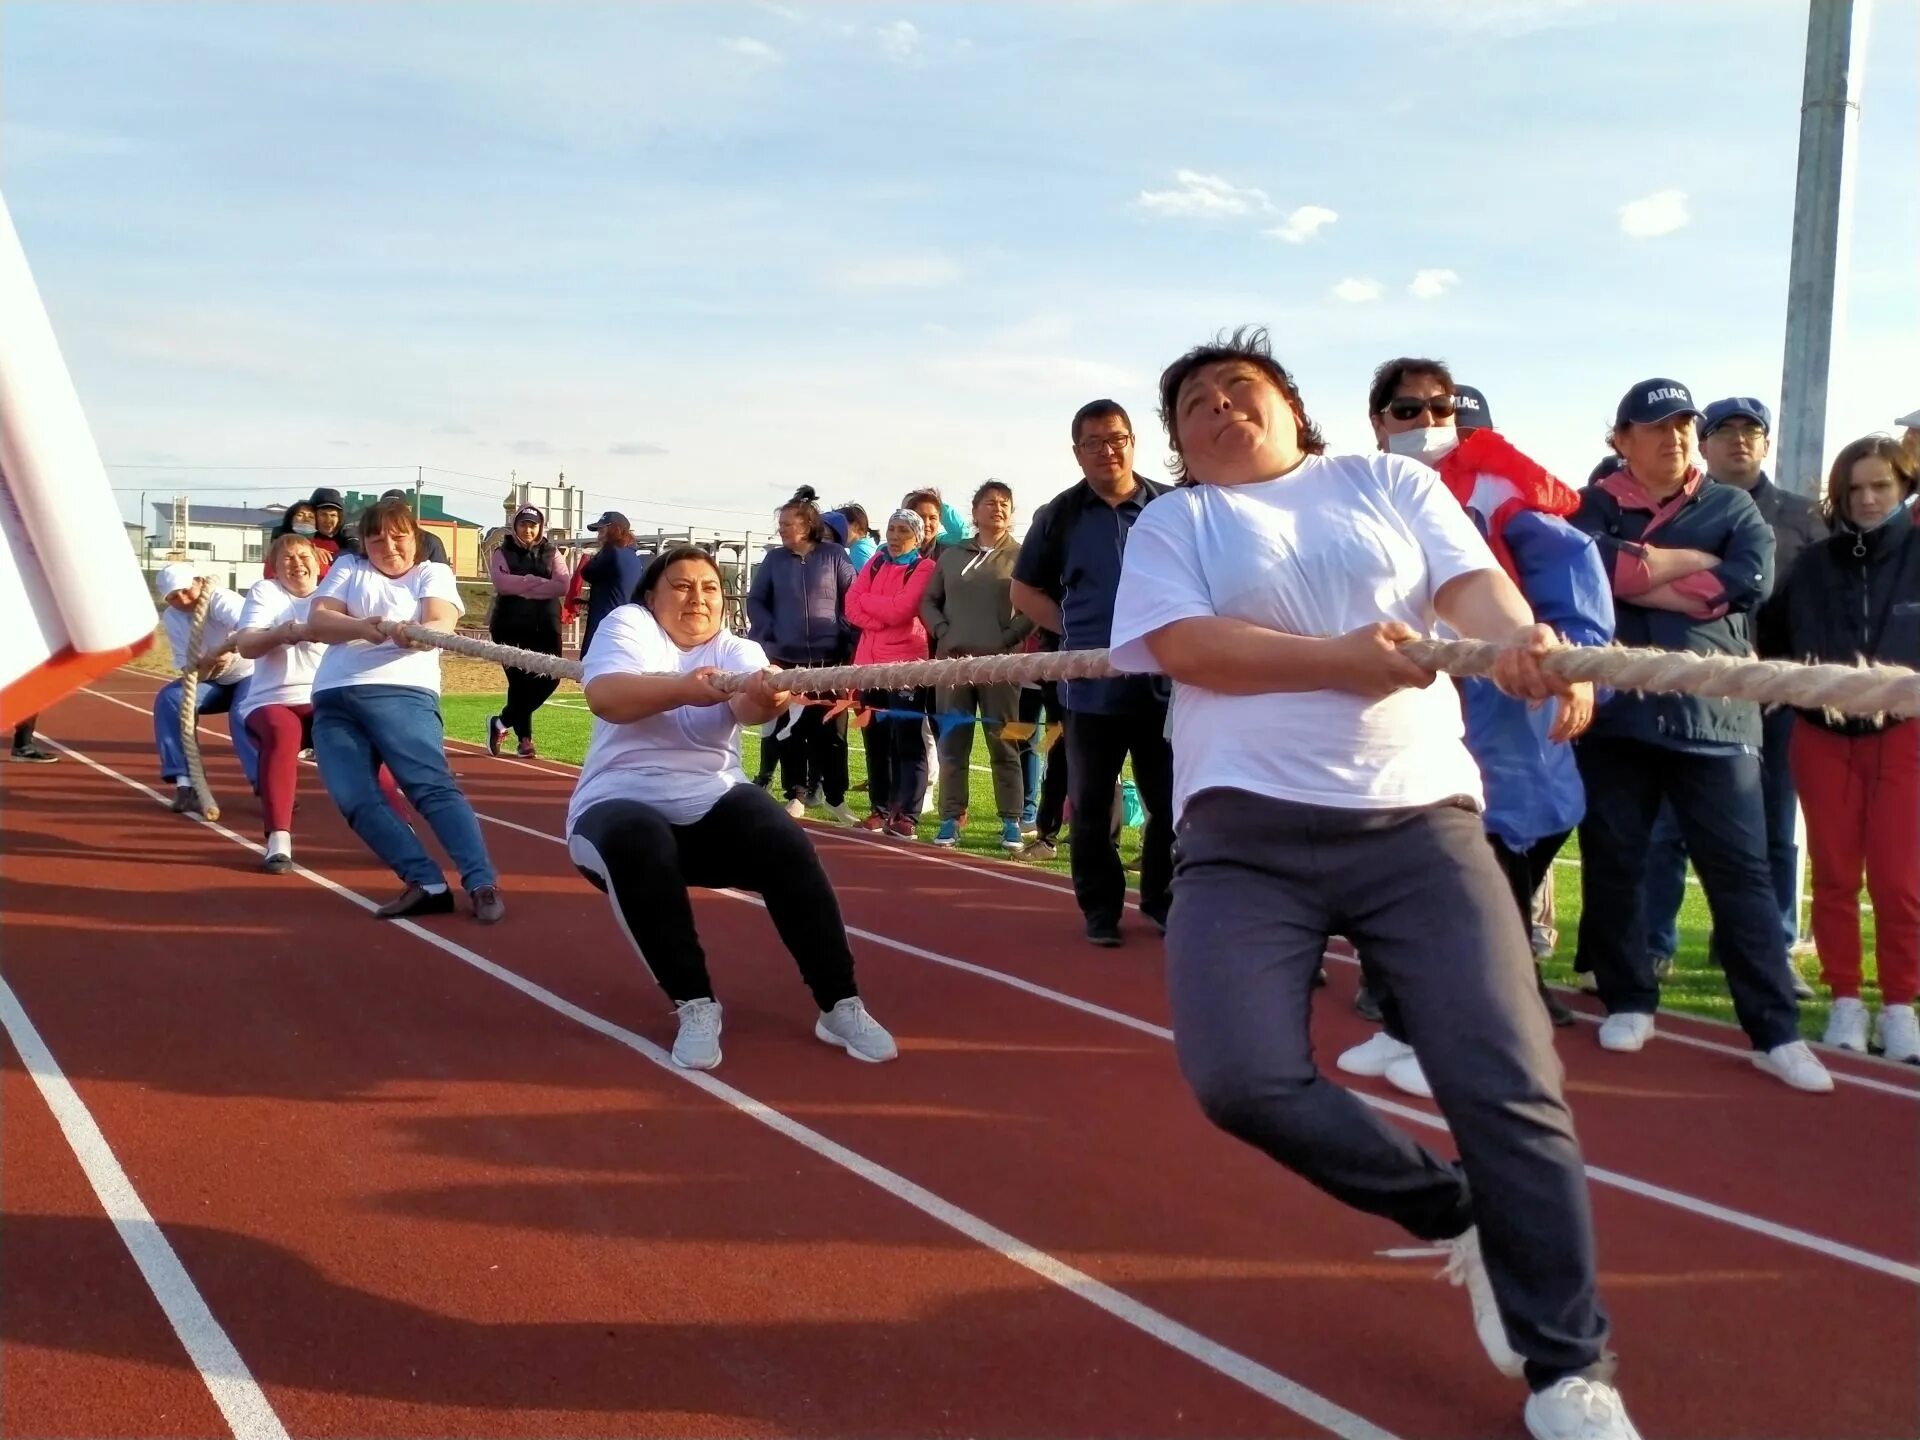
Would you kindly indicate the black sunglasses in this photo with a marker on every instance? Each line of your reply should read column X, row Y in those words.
column 1441, row 407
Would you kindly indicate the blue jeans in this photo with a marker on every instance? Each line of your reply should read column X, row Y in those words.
column 355, row 728
column 1667, row 852
column 212, row 700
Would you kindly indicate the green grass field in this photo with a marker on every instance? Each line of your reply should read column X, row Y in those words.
column 1695, row 986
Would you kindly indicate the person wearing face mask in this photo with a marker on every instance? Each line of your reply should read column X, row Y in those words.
column 1533, row 790
column 1690, row 561
column 301, row 520
column 1850, row 598
column 1734, row 436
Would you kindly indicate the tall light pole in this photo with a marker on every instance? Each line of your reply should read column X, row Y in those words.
column 1822, row 222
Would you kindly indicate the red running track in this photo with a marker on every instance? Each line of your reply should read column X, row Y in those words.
column 428, row 1180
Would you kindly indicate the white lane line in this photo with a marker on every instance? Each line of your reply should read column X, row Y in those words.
column 1708, row 1209
column 241, row 1400
column 1005, row 873
column 1260, row 1379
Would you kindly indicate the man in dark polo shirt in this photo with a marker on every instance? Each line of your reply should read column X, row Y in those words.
column 1065, row 581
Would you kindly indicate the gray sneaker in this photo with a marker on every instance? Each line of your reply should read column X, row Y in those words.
column 849, row 1026
column 697, row 1046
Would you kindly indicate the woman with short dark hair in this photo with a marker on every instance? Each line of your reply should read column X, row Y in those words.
column 663, row 806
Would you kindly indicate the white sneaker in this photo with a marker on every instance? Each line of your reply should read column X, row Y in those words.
column 1587, row 983
column 697, row 1046
column 797, row 808
column 1626, row 1031
column 1897, row 1032
column 1577, row 1409
column 841, row 815
column 1798, row 1066
column 1405, row 1074
column 1465, row 1267
column 849, row 1026
column 1373, row 1056
column 1847, row 1025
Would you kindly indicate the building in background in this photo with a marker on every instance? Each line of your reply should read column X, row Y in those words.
column 226, row 542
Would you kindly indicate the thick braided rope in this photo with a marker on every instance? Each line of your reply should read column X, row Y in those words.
column 1841, row 689
column 190, row 707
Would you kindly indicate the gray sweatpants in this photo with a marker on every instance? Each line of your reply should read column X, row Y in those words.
column 1259, row 885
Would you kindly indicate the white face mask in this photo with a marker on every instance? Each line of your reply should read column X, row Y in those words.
column 1429, row 446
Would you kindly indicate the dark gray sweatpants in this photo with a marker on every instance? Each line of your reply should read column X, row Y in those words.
column 1259, row 885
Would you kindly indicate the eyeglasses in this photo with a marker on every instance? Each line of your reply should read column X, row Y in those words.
column 1094, row 444
column 1440, row 407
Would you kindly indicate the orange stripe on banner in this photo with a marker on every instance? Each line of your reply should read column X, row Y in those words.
column 59, row 677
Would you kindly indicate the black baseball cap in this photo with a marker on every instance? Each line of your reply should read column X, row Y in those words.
column 611, row 517
column 1652, row 401
column 1470, row 409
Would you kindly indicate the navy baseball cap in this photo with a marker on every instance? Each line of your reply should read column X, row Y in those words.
column 1721, row 411
column 1470, row 409
column 612, row 517
column 1605, row 468
column 1652, row 401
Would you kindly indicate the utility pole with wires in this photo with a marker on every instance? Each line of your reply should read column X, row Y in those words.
column 1822, row 224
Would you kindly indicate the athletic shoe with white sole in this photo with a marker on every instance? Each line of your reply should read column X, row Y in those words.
column 1578, row 1409
column 1465, row 1267
column 1897, row 1032
column 849, row 1026
column 841, row 815
column 797, row 808
column 1796, row 1065
column 1406, row 1076
column 1626, row 1031
column 1847, row 1025
column 1372, row 1057
column 697, row 1046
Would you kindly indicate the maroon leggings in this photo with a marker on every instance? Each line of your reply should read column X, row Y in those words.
column 282, row 732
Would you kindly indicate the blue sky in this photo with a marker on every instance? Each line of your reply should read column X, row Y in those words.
column 696, row 255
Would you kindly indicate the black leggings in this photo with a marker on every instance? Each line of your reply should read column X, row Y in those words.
column 646, row 866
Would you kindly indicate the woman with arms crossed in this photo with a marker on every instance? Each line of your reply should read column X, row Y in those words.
column 663, row 806
column 1322, row 786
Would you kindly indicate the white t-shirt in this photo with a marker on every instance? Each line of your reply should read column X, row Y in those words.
column 368, row 594
column 681, row 761
column 223, row 618
column 284, row 675
column 1337, row 543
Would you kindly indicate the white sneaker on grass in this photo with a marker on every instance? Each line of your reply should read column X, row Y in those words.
column 1578, row 1409
column 1626, row 1031
column 849, row 1026
column 697, row 1046
column 1847, row 1025
column 1796, row 1065
column 797, row 808
column 1372, row 1057
column 841, row 815
column 1897, row 1032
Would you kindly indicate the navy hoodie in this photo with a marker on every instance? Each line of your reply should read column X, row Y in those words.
column 796, row 606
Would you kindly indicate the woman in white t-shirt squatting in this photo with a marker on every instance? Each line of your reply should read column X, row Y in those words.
column 377, row 697
column 1322, row 786
column 278, row 709
column 663, row 805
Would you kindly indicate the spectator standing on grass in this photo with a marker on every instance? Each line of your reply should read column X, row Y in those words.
column 529, row 577
column 613, row 571
column 1533, row 792
column 662, row 807
column 1690, row 561
column 852, row 529
column 884, row 605
column 376, row 697
column 222, row 679
column 1064, row 581
column 1734, row 437
column 332, row 532
column 968, row 610
column 797, row 613
column 1853, row 597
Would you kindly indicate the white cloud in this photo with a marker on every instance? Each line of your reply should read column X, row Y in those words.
column 900, row 41
column 785, row 12
column 901, row 272
column 748, row 48
column 1357, row 292
column 1660, row 213
column 1303, row 224
column 1432, row 284
column 1205, row 196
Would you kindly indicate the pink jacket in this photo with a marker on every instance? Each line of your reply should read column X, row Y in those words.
column 884, row 601
column 529, row 587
